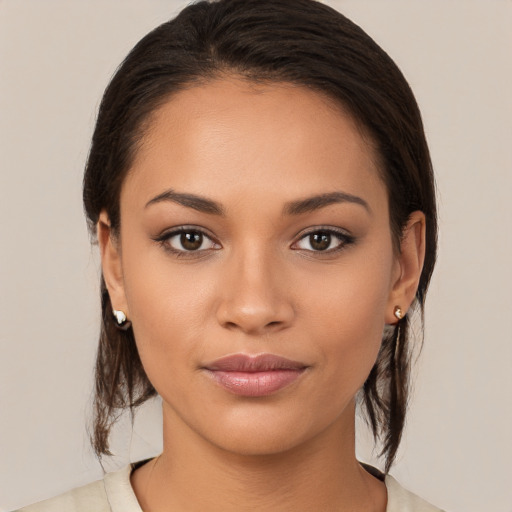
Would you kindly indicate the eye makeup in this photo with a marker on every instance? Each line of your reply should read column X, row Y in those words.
column 187, row 242
column 194, row 241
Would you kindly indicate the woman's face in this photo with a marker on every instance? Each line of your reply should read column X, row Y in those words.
column 254, row 223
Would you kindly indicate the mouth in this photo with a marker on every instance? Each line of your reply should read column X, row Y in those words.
column 254, row 376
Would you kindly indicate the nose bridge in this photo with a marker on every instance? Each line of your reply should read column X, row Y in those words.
column 255, row 298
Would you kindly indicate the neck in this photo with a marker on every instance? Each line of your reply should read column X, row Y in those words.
column 322, row 474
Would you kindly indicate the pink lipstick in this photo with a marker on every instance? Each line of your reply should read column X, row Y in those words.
column 254, row 376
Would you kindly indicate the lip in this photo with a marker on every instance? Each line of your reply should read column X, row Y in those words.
column 254, row 376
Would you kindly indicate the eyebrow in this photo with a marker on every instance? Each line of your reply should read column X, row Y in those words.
column 299, row 207
column 313, row 203
column 201, row 204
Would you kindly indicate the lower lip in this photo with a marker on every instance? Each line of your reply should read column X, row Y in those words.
column 256, row 383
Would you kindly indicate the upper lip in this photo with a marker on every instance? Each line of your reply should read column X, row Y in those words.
column 249, row 363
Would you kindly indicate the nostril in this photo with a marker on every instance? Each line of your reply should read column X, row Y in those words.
column 253, row 324
column 235, row 325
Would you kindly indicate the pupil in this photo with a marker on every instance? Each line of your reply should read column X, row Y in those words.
column 191, row 241
column 320, row 241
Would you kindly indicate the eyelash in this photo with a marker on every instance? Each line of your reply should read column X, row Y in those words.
column 164, row 239
column 343, row 237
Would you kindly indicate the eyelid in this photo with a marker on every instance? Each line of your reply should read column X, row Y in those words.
column 164, row 237
column 342, row 235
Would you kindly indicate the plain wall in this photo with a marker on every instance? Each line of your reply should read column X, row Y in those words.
column 57, row 56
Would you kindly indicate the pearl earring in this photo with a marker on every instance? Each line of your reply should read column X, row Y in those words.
column 398, row 312
column 121, row 321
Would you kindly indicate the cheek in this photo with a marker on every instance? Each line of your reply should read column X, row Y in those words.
column 168, row 312
column 347, row 313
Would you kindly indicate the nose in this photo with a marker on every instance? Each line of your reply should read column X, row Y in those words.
column 255, row 296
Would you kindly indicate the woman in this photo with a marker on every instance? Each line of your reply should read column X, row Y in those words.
column 262, row 195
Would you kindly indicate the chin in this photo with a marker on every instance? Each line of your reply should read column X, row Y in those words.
column 260, row 444
column 249, row 431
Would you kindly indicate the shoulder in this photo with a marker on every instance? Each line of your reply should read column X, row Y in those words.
column 112, row 494
column 402, row 500
column 89, row 497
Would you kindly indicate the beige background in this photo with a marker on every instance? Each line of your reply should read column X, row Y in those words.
column 55, row 60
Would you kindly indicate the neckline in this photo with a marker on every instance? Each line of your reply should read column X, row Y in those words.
column 377, row 473
column 122, row 497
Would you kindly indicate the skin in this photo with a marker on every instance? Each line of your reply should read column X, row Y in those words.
column 258, row 285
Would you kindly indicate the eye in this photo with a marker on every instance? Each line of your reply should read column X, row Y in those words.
column 323, row 240
column 187, row 240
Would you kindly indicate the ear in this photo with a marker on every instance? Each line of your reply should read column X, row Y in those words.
column 409, row 266
column 111, row 263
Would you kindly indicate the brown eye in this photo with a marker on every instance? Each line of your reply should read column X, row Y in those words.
column 323, row 240
column 320, row 241
column 187, row 241
column 191, row 241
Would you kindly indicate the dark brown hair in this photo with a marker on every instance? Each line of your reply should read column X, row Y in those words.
column 302, row 42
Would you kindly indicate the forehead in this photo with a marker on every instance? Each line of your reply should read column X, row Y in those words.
column 231, row 137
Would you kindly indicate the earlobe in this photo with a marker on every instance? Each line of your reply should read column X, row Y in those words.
column 111, row 263
column 410, row 262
